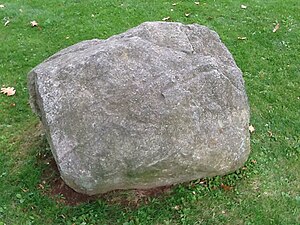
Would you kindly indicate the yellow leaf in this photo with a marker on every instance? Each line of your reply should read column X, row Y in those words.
column 9, row 91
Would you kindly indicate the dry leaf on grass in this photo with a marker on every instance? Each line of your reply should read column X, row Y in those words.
column 6, row 23
column 187, row 14
column 242, row 38
column 251, row 129
column 226, row 187
column 166, row 18
column 243, row 7
column 270, row 133
column 276, row 27
column 197, row 3
column 2, row 6
column 9, row 91
column 34, row 23
column 176, row 207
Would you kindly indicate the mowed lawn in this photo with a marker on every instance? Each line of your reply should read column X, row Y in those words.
column 264, row 38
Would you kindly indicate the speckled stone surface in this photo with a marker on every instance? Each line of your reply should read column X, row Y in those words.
column 160, row 104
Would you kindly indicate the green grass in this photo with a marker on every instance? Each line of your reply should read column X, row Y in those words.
column 266, row 192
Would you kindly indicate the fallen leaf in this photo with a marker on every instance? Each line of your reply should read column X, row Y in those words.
column 276, row 27
column 24, row 189
column 226, row 187
column 6, row 23
column 197, row 3
column 165, row 18
column 176, row 207
column 2, row 6
column 9, row 91
column 270, row 133
column 187, row 14
column 174, row 4
column 202, row 182
column 251, row 129
column 34, row 23
column 243, row 7
column 253, row 161
column 242, row 38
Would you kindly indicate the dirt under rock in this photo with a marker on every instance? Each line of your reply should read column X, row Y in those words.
column 53, row 186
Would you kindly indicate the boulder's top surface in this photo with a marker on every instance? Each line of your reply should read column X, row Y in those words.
column 160, row 104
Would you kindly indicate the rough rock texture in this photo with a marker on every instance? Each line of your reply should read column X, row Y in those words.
column 160, row 104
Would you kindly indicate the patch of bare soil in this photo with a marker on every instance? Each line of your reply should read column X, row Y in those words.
column 53, row 186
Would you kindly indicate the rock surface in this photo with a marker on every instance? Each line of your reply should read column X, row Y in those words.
column 160, row 104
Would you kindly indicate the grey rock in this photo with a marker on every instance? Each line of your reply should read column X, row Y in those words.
column 160, row 104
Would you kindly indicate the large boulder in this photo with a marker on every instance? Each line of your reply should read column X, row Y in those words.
column 160, row 104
